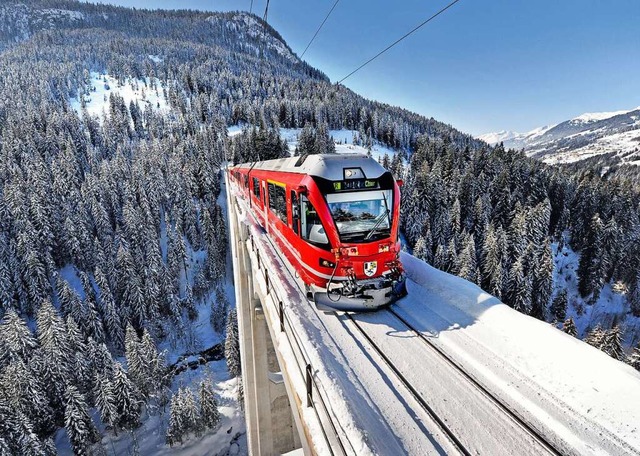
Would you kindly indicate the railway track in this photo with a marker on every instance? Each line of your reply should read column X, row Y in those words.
column 454, row 439
column 537, row 443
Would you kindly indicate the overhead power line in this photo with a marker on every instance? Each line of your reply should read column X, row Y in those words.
column 318, row 31
column 251, row 7
column 398, row 40
column 264, row 38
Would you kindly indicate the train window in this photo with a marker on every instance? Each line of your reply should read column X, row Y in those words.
column 246, row 181
column 311, row 227
column 278, row 201
column 295, row 212
column 256, row 188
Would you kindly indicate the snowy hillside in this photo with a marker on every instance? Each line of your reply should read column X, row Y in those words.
column 611, row 308
column 244, row 25
column 584, row 136
column 95, row 97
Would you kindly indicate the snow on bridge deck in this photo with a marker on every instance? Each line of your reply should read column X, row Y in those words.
column 579, row 399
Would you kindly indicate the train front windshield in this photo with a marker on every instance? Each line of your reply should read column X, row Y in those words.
column 362, row 216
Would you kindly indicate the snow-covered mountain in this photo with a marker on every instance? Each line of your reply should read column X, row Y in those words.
column 18, row 22
column 582, row 137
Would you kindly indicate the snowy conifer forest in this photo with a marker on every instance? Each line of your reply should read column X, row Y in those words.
column 113, row 242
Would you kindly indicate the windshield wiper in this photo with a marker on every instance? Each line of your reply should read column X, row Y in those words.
column 377, row 224
column 380, row 219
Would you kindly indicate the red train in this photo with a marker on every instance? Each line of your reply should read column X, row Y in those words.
column 335, row 218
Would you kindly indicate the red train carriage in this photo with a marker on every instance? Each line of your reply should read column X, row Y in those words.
column 335, row 218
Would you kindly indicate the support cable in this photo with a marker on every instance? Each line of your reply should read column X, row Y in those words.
column 318, row 31
column 264, row 30
column 398, row 40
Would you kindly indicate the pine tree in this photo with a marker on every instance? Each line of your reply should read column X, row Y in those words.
column 16, row 340
column 126, row 399
column 493, row 261
column 105, row 401
column 135, row 361
column 176, row 426
column 519, row 288
column 324, row 143
column 112, row 319
column 421, row 250
column 542, row 279
column 220, row 310
column 591, row 269
column 569, row 327
column 67, row 297
column 80, row 427
column 17, row 433
column 306, row 141
column 467, row 260
column 634, row 358
column 232, row 345
column 559, row 305
column 54, row 355
column 209, row 414
column 184, row 418
column 155, row 369
column 24, row 391
column 612, row 343
column 595, row 337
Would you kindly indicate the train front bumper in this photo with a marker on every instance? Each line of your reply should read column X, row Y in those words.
column 370, row 298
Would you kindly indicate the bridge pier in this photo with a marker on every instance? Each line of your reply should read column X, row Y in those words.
column 271, row 427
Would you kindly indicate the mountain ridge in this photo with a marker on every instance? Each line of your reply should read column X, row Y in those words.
column 584, row 136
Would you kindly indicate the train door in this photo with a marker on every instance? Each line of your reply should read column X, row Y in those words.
column 265, row 208
column 295, row 213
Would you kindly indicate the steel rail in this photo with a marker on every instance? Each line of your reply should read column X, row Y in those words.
column 532, row 431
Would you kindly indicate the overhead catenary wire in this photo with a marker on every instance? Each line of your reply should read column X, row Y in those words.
column 251, row 7
column 398, row 40
column 319, row 28
column 264, row 37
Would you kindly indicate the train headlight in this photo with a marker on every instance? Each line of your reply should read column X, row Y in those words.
column 326, row 263
column 349, row 251
column 353, row 173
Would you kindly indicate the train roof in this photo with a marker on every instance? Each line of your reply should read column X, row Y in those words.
column 327, row 166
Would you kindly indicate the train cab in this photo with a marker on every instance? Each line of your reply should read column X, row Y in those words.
column 335, row 218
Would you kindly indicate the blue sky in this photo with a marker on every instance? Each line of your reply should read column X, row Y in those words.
column 481, row 66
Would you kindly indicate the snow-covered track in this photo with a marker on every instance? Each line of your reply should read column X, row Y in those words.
column 465, row 411
column 544, row 444
column 416, row 394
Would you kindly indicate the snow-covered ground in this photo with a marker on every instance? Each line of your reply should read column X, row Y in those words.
column 139, row 91
column 343, row 140
column 149, row 438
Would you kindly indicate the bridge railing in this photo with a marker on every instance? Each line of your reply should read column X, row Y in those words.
column 315, row 395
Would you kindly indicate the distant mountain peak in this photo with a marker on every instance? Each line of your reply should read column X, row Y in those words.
column 588, row 117
column 584, row 136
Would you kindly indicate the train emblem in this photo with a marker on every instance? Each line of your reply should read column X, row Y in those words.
column 370, row 268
